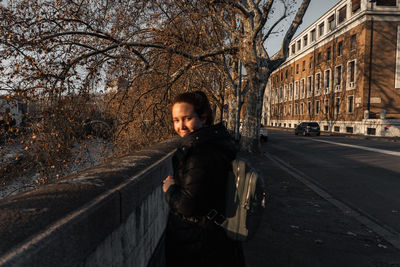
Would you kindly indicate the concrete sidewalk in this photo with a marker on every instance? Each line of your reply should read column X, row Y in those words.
column 355, row 136
column 300, row 228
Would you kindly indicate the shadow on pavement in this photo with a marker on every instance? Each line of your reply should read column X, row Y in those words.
column 300, row 228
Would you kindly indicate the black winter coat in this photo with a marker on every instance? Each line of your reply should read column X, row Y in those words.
column 201, row 166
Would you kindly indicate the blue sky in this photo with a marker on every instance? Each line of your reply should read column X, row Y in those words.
column 315, row 10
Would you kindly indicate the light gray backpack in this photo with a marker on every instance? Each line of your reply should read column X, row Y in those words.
column 245, row 202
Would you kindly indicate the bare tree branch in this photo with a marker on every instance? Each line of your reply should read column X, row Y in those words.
column 284, row 15
column 283, row 52
column 236, row 4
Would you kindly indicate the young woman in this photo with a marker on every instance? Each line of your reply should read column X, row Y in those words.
column 201, row 166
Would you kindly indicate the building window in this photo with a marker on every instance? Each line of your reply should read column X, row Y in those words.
column 338, row 78
column 305, row 40
column 340, row 48
column 342, row 14
column 317, row 106
column 371, row 131
column 277, row 95
column 296, row 89
column 331, row 23
column 321, row 29
column 337, row 105
column 310, row 65
column 280, row 94
column 290, row 109
column 309, row 86
column 293, row 49
column 302, row 89
column 317, row 83
column 298, row 45
column 328, row 54
column 313, row 37
column 286, row 74
column 297, row 68
column 353, row 42
column 272, row 96
column 349, row 129
column 397, row 73
column 301, row 108
column 291, row 91
column 336, row 128
column 319, row 58
column 281, row 76
column 386, row 2
column 326, row 106
column 295, row 109
column 327, row 81
column 350, row 104
column 304, row 65
column 286, row 92
column 284, row 110
column 351, row 74
column 309, row 108
column 355, row 5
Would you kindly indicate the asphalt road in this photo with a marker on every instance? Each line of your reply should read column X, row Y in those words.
column 363, row 174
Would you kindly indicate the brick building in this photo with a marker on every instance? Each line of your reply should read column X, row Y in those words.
column 343, row 71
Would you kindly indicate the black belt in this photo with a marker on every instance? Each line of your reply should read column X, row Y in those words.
column 213, row 216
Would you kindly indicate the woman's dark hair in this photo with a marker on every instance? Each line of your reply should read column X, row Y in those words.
column 200, row 103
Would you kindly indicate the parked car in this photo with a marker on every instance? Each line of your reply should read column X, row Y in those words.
column 307, row 128
column 263, row 133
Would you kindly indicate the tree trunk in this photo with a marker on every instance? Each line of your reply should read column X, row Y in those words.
column 251, row 122
column 217, row 111
column 232, row 111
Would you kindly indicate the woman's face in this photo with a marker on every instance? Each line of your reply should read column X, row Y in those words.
column 185, row 119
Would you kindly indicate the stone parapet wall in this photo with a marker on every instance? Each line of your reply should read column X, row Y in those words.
column 110, row 215
column 135, row 241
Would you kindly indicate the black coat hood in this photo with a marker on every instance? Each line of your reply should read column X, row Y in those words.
column 216, row 135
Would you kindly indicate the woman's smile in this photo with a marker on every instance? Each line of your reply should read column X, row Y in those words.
column 185, row 119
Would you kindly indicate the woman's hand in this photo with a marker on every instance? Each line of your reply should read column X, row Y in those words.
column 167, row 183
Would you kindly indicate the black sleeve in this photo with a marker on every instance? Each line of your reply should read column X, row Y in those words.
column 188, row 197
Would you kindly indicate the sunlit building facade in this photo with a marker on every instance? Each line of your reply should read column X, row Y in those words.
column 343, row 72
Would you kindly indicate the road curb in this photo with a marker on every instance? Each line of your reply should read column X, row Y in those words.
column 323, row 133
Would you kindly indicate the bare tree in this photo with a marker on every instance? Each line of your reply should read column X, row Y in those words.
column 57, row 47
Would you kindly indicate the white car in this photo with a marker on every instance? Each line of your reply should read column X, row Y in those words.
column 263, row 133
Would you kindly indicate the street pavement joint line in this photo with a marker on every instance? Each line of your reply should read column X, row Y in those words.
column 391, row 236
column 383, row 151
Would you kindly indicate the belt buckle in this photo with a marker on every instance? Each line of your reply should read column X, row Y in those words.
column 215, row 217
column 212, row 214
column 219, row 219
